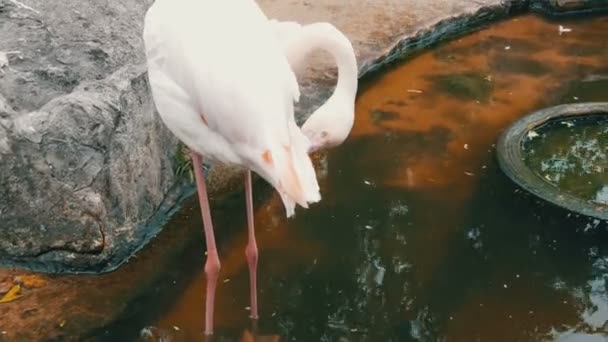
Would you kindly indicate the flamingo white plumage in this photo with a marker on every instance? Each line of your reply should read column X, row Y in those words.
column 240, row 111
column 225, row 107
column 331, row 123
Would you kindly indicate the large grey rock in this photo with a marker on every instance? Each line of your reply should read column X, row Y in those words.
column 81, row 176
column 85, row 162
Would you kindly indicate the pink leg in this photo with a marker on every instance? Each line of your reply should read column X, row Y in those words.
column 212, row 265
column 251, row 251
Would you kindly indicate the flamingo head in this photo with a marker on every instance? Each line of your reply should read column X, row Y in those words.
column 330, row 124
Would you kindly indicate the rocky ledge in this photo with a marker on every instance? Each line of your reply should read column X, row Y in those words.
column 557, row 8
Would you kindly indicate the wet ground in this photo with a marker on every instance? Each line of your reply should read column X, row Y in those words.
column 419, row 236
column 572, row 155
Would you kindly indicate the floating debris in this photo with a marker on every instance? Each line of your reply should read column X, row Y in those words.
column 398, row 208
column 562, row 29
column 379, row 277
column 602, row 195
column 30, row 281
column 532, row 134
column 151, row 333
column 13, row 294
column 474, row 233
column 567, row 123
column 414, row 91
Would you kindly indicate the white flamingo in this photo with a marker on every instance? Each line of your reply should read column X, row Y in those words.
column 239, row 110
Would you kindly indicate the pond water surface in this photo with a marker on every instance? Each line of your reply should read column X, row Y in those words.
column 572, row 155
column 419, row 236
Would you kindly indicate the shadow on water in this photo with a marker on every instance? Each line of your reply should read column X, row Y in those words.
column 419, row 236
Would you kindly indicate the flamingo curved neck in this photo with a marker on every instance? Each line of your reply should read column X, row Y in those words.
column 326, row 37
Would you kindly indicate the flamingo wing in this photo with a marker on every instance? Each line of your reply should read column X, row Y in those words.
column 203, row 52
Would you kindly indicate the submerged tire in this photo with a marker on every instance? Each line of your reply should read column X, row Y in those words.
column 511, row 160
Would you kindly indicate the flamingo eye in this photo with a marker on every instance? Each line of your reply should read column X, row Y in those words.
column 323, row 134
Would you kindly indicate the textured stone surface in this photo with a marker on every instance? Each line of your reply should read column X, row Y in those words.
column 568, row 7
column 84, row 160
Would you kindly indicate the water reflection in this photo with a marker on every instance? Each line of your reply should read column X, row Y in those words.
column 572, row 155
column 419, row 236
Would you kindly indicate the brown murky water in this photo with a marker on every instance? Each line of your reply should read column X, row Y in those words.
column 419, row 236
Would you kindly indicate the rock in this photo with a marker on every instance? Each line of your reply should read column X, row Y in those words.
column 87, row 171
column 5, row 286
column 568, row 7
column 569, row 4
column 85, row 160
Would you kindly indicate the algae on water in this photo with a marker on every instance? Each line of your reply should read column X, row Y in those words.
column 573, row 156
